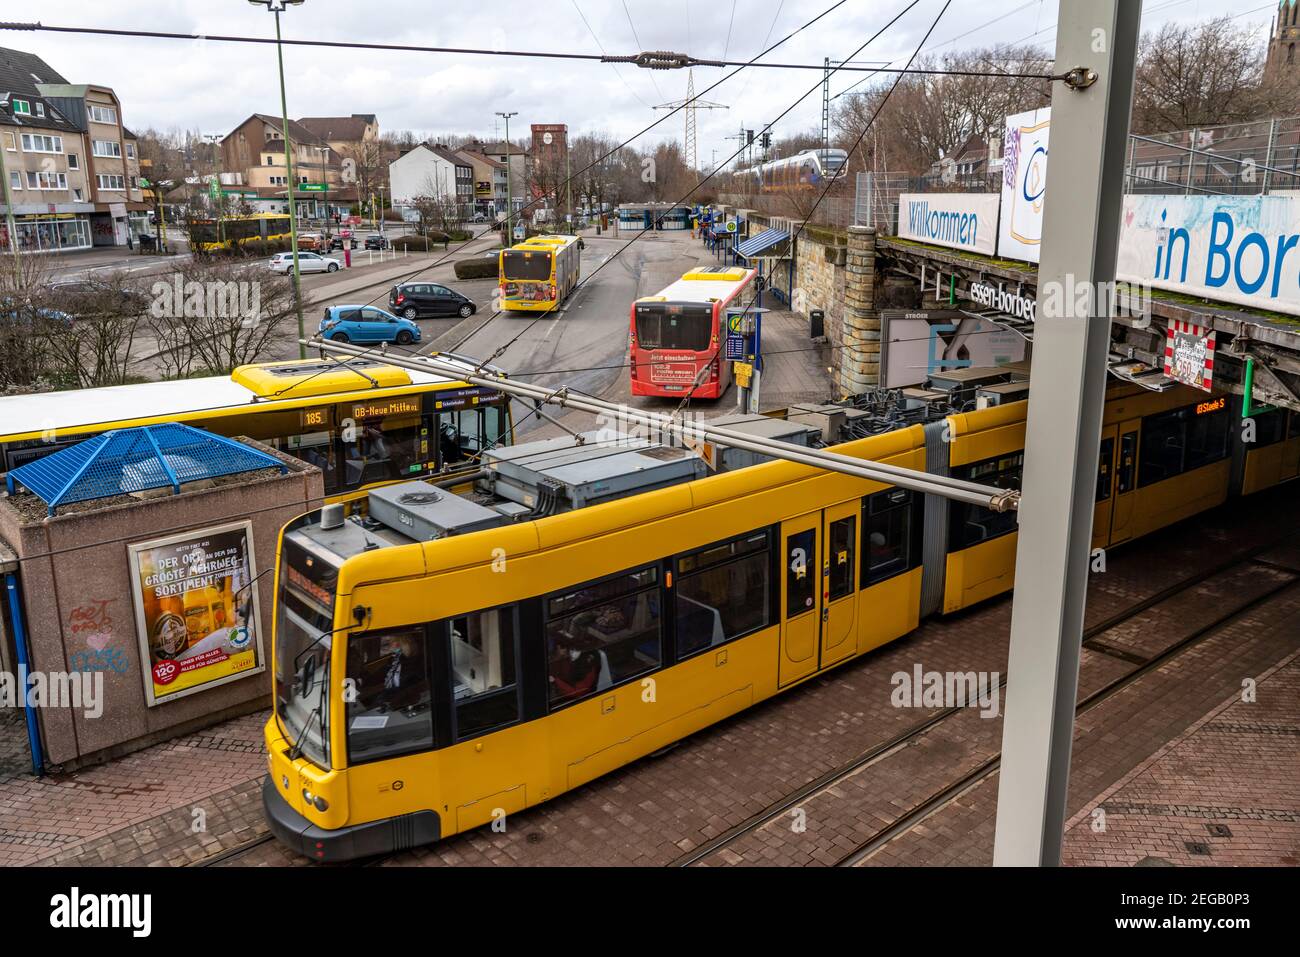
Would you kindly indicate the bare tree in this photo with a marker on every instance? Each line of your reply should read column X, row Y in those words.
column 927, row 117
column 208, row 318
column 26, row 318
column 1204, row 74
column 94, row 348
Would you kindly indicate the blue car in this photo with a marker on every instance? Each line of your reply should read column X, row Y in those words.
column 367, row 324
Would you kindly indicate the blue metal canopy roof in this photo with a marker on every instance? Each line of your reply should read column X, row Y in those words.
column 132, row 460
column 764, row 240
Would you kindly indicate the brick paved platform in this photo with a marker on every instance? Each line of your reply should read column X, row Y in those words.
column 1170, row 755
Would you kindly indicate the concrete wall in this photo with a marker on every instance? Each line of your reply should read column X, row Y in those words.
column 75, row 568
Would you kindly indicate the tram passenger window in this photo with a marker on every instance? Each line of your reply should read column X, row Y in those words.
column 289, row 431
column 723, row 592
column 603, row 633
column 1207, row 438
column 1179, row 440
column 1269, row 428
column 971, row 524
column 385, row 447
column 889, row 534
column 483, row 685
column 1293, row 427
column 389, row 701
column 800, row 572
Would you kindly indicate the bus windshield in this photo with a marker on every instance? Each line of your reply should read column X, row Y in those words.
column 302, row 647
column 666, row 325
column 530, row 265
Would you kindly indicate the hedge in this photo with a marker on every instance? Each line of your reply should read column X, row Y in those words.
column 479, row 267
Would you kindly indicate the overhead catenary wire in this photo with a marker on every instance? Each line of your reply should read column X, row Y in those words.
column 985, row 496
column 619, row 72
column 465, row 51
column 826, row 189
column 602, row 158
column 713, row 172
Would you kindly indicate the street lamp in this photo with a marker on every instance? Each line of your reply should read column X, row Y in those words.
column 277, row 7
column 509, row 232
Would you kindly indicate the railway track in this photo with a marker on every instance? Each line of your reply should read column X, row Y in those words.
column 942, row 797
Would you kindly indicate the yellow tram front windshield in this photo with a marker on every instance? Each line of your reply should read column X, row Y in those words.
column 303, row 639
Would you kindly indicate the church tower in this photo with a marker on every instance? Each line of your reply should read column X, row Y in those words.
column 1283, row 41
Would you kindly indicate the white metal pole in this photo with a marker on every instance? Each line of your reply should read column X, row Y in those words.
column 1082, row 210
column 958, row 489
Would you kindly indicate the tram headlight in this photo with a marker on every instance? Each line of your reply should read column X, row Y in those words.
column 315, row 800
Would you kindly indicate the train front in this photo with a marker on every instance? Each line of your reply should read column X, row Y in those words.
column 309, row 794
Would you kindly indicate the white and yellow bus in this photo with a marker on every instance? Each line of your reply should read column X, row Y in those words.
column 362, row 422
column 537, row 274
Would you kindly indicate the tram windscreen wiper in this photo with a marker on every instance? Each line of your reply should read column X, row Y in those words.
column 316, row 714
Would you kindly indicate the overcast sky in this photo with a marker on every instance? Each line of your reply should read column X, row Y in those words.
column 212, row 85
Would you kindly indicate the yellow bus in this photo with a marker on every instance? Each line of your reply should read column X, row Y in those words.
column 208, row 235
column 537, row 274
column 362, row 422
column 591, row 604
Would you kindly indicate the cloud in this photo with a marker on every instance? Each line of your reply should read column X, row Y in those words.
column 212, row 86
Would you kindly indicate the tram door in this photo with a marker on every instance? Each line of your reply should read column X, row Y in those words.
column 1116, row 484
column 818, row 590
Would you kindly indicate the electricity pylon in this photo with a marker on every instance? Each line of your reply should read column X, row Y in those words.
column 691, row 104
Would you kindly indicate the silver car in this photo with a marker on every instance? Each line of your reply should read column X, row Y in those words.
column 307, row 262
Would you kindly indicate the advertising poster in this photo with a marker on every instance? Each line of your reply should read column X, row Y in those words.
column 966, row 221
column 1024, row 180
column 196, row 610
column 1240, row 249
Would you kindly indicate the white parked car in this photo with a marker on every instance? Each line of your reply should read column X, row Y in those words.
column 307, row 262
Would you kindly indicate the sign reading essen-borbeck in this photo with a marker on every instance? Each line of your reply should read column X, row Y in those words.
column 196, row 610
column 959, row 220
column 1024, row 182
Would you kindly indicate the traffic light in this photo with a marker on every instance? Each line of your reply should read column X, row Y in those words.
column 765, row 141
column 749, row 137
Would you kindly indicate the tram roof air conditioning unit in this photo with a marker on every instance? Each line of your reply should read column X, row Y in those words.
column 557, row 475
column 423, row 512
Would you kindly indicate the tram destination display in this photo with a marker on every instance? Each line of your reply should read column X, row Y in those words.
column 196, row 610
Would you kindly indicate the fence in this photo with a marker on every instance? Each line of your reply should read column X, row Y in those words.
column 1240, row 159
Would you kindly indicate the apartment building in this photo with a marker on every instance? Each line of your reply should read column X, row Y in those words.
column 436, row 172
column 253, row 157
column 72, row 166
column 489, row 183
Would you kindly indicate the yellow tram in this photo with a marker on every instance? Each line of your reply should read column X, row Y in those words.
column 502, row 647
column 362, row 422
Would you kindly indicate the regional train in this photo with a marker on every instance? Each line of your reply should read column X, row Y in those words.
column 803, row 171
column 445, row 660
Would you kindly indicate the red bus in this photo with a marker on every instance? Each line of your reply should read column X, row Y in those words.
column 682, row 330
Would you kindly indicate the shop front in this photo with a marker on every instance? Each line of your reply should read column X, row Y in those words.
column 49, row 232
